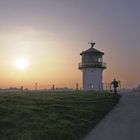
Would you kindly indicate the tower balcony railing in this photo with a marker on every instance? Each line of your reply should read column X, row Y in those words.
column 93, row 65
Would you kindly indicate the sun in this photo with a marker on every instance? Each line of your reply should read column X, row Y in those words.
column 21, row 63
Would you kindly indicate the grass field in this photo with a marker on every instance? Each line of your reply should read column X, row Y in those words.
column 52, row 116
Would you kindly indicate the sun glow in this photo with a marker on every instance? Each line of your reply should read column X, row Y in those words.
column 22, row 64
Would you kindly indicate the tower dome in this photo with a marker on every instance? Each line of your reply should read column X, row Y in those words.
column 92, row 58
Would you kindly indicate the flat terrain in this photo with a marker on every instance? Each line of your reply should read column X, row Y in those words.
column 52, row 116
column 122, row 123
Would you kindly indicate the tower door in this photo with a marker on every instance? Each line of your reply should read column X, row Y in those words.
column 91, row 85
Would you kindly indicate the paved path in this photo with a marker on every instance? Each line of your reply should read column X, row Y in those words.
column 122, row 123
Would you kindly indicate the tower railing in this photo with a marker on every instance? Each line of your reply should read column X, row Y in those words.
column 93, row 65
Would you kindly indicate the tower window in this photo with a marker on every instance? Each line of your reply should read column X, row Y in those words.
column 99, row 59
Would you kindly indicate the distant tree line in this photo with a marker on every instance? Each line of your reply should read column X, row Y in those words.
column 136, row 89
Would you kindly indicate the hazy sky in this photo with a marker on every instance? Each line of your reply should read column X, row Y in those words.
column 50, row 34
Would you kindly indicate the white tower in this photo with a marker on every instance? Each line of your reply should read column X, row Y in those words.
column 92, row 67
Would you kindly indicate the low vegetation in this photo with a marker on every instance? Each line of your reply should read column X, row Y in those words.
column 52, row 116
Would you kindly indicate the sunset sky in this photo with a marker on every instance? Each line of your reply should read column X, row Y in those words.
column 49, row 35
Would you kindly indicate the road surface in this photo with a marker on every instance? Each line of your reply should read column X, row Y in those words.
column 122, row 123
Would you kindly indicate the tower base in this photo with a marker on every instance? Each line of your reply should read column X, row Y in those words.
column 92, row 79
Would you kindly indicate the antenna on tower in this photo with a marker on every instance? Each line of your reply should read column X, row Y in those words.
column 92, row 44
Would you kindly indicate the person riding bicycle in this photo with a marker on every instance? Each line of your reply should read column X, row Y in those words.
column 115, row 84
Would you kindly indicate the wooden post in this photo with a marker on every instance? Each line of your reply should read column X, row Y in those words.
column 36, row 86
column 53, row 88
column 77, row 87
column 21, row 88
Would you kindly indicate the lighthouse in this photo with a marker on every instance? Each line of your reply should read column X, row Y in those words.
column 92, row 67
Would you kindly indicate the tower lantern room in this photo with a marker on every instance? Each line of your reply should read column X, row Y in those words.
column 92, row 67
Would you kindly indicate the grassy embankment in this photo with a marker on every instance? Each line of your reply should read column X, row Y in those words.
column 51, row 116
